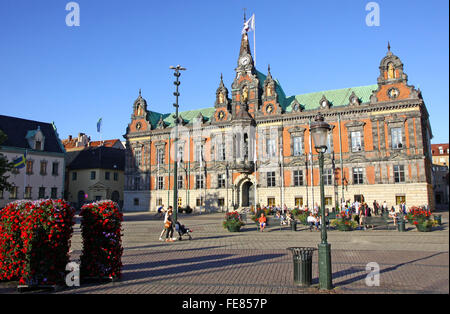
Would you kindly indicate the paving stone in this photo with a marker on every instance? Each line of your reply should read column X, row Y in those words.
column 251, row 262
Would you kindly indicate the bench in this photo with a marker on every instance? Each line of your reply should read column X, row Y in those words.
column 377, row 221
column 331, row 215
column 273, row 221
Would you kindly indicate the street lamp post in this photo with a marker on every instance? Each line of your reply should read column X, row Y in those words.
column 177, row 74
column 319, row 132
column 226, row 182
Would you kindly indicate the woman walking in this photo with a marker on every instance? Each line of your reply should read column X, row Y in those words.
column 168, row 225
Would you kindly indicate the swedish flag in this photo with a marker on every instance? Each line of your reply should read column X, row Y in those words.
column 20, row 162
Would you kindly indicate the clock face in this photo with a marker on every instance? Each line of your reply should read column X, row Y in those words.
column 324, row 103
column 244, row 60
column 221, row 115
column 138, row 126
column 393, row 93
column 269, row 108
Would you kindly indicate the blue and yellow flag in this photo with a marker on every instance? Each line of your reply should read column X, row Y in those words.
column 20, row 161
column 99, row 125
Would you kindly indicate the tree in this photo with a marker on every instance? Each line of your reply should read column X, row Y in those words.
column 5, row 166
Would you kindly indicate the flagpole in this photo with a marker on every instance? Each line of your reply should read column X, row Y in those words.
column 254, row 38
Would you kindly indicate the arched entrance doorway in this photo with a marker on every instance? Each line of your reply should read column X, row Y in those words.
column 248, row 194
column 81, row 197
column 115, row 196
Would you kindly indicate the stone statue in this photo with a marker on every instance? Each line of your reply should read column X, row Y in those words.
column 391, row 73
column 221, row 98
column 269, row 90
column 245, row 93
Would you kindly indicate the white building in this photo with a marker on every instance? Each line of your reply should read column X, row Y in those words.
column 43, row 174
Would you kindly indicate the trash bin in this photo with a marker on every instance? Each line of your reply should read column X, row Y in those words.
column 302, row 258
column 294, row 225
column 438, row 218
column 401, row 225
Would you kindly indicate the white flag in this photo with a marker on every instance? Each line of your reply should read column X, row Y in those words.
column 249, row 25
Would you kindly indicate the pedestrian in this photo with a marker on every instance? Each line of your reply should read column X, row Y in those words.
column 343, row 204
column 161, row 211
column 168, row 225
column 312, row 221
column 262, row 222
column 327, row 220
column 403, row 208
column 393, row 215
column 165, row 213
column 316, row 209
column 384, row 208
column 347, row 211
column 284, row 209
column 289, row 217
column 375, row 208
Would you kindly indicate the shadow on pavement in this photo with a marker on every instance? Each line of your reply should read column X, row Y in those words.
column 164, row 263
column 214, row 262
column 385, row 270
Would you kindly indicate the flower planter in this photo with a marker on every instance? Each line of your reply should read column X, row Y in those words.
column 101, row 231
column 344, row 227
column 35, row 241
column 234, row 228
column 423, row 228
column 233, row 221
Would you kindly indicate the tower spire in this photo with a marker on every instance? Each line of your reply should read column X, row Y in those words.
column 389, row 46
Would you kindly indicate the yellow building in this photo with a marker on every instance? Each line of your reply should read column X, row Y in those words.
column 95, row 173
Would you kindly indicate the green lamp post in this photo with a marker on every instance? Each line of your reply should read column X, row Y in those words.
column 177, row 74
column 319, row 131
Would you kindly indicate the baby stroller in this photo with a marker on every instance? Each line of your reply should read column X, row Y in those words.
column 182, row 230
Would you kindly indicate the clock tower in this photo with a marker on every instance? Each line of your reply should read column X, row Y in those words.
column 245, row 88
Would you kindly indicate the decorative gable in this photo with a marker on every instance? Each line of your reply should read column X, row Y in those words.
column 324, row 103
column 36, row 139
column 393, row 82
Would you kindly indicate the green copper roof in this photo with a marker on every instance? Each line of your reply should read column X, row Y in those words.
column 153, row 117
column 189, row 116
column 310, row 101
column 337, row 97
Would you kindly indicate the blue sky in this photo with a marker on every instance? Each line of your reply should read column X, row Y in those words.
column 75, row 75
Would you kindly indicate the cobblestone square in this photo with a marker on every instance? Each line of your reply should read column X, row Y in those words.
column 251, row 262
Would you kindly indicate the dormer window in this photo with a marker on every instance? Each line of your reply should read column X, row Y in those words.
column 36, row 139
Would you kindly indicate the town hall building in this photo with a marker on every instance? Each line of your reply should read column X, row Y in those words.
column 253, row 146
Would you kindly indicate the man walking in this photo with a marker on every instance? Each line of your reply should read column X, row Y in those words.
column 375, row 208
column 384, row 208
